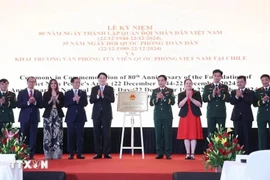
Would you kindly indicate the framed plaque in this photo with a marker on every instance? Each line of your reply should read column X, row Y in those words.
column 132, row 101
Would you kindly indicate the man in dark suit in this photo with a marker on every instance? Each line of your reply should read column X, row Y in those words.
column 242, row 115
column 163, row 98
column 29, row 101
column 263, row 116
column 216, row 95
column 75, row 101
column 102, row 96
column 7, row 104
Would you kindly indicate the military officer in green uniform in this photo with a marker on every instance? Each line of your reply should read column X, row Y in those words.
column 163, row 98
column 216, row 95
column 263, row 116
column 7, row 103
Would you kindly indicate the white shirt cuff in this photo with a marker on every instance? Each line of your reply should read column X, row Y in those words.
column 28, row 103
column 97, row 96
column 236, row 97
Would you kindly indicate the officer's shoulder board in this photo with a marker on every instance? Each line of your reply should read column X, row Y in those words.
column 10, row 93
column 260, row 89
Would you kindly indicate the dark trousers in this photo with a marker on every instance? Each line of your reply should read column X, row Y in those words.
column 163, row 131
column 212, row 123
column 102, row 133
column 29, row 130
column 263, row 133
column 243, row 128
column 75, row 129
column 2, row 125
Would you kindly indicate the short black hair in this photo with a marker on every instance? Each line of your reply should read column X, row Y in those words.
column 218, row 71
column 73, row 79
column 163, row 76
column 265, row 76
column 187, row 80
column 4, row 81
column 31, row 77
column 242, row 77
column 102, row 73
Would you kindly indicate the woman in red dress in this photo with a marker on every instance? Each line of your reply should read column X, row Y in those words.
column 190, row 127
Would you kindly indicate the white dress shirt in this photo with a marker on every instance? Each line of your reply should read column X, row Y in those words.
column 76, row 91
column 102, row 88
column 28, row 103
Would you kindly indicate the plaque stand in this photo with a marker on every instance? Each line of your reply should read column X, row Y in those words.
column 132, row 115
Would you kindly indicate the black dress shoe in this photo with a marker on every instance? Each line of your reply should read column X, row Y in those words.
column 159, row 157
column 168, row 157
column 80, row 156
column 107, row 156
column 97, row 156
column 187, row 157
column 71, row 156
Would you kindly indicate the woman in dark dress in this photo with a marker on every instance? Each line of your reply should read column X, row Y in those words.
column 53, row 102
column 190, row 127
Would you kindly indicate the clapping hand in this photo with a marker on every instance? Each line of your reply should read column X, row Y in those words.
column 218, row 91
column 160, row 95
column 214, row 92
column 188, row 94
column 32, row 100
column 2, row 100
column 99, row 92
column 238, row 93
column 265, row 98
column 76, row 98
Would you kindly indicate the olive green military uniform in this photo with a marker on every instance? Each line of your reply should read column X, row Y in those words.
column 263, row 116
column 163, row 119
column 216, row 108
column 6, row 110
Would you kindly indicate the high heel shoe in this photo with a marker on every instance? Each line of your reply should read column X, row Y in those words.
column 192, row 157
column 187, row 157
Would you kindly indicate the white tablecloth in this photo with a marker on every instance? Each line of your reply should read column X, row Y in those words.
column 10, row 172
column 5, row 171
column 234, row 171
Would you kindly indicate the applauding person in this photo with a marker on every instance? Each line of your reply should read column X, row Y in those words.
column 102, row 96
column 242, row 116
column 190, row 127
column 163, row 98
column 75, row 101
column 7, row 104
column 216, row 94
column 29, row 101
column 263, row 116
column 53, row 102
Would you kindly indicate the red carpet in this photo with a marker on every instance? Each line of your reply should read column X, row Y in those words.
column 127, row 168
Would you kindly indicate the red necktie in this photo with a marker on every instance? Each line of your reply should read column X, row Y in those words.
column 31, row 93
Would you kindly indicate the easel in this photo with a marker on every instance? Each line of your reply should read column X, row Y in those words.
column 132, row 115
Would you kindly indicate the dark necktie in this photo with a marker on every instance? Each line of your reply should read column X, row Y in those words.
column 266, row 89
column 216, row 85
column 31, row 93
column 242, row 90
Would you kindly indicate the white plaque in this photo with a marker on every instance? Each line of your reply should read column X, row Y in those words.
column 132, row 101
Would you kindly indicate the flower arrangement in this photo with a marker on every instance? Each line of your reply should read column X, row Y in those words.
column 12, row 143
column 223, row 146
